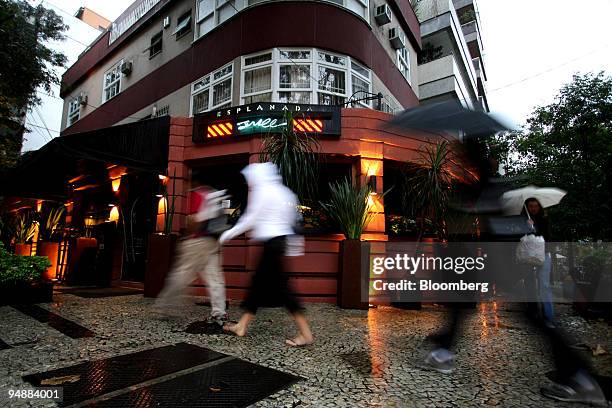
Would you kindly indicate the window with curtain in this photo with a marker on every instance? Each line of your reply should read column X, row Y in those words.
column 258, row 80
column 294, row 76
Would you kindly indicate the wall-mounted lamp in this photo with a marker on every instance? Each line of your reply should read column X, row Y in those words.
column 116, row 183
column 114, row 214
column 372, row 184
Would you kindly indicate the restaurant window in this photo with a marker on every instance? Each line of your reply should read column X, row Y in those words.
column 112, row 82
column 156, row 44
column 403, row 62
column 74, row 111
column 212, row 91
column 183, row 25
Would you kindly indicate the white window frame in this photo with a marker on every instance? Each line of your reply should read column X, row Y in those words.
column 313, row 64
column 209, row 88
column 403, row 63
column 367, row 79
column 215, row 13
column 301, row 62
column 73, row 114
column 252, row 67
column 105, row 87
column 338, row 67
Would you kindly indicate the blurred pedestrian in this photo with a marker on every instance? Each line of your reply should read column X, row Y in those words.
column 198, row 252
column 271, row 216
column 538, row 221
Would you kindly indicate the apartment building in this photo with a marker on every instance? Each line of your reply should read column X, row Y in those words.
column 182, row 57
column 451, row 64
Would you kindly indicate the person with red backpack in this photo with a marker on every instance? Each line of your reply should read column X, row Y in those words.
column 198, row 252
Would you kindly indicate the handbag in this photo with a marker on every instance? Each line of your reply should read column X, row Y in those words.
column 531, row 250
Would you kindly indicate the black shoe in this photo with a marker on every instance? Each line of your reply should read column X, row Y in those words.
column 585, row 391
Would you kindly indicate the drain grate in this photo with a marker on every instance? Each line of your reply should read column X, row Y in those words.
column 235, row 383
column 3, row 345
column 101, row 292
column 95, row 378
column 64, row 326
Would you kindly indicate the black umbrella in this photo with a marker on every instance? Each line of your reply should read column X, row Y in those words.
column 448, row 116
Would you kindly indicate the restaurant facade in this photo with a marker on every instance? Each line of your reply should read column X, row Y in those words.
column 177, row 88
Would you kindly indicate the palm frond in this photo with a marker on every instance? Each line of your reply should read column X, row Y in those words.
column 295, row 155
column 349, row 207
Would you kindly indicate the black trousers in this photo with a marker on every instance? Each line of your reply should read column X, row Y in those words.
column 270, row 286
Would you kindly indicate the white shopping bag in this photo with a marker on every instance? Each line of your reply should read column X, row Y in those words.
column 531, row 250
column 295, row 245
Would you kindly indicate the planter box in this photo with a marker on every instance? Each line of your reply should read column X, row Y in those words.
column 354, row 263
column 23, row 249
column 26, row 293
column 51, row 251
column 160, row 254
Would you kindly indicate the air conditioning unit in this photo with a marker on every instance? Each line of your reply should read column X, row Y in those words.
column 82, row 99
column 166, row 21
column 397, row 38
column 126, row 68
column 383, row 14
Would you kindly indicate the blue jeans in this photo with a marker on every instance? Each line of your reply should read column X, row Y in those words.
column 544, row 289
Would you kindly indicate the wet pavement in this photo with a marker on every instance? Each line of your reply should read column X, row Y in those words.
column 359, row 359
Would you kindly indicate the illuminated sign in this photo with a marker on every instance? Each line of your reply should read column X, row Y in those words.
column 264, row 124
column 264, row 118
column 219, row 129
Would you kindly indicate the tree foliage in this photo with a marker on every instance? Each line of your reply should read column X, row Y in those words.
column 27, row 64
column 568, row 144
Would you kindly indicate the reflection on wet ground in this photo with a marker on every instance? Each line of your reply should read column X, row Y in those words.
column 359, row 359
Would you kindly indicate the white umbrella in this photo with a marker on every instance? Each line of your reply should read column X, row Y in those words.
column 514, row 200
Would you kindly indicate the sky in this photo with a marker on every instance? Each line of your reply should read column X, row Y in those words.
column 531, row 48
column 44, row 120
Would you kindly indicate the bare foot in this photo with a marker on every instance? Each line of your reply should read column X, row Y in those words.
column 235, row 328
column 299, row 341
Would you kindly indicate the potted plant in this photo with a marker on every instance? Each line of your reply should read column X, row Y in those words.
column 50, row 238
column 24, row 229
column 20, row 279
column 160, row 248
column 348, row 206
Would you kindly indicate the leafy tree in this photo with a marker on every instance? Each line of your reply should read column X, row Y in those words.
column 27, row 64
column 567, row 144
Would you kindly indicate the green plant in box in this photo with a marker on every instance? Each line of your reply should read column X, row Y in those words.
column 349, row 207
column 15, row 269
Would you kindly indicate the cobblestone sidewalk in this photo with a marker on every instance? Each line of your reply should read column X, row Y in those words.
column 360, row 358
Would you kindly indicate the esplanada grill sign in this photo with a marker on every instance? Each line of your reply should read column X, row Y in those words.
column 263, row 118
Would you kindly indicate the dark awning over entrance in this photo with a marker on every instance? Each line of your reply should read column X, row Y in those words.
column 44, row 173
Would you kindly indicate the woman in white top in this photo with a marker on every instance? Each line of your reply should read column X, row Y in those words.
column 271, row 216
